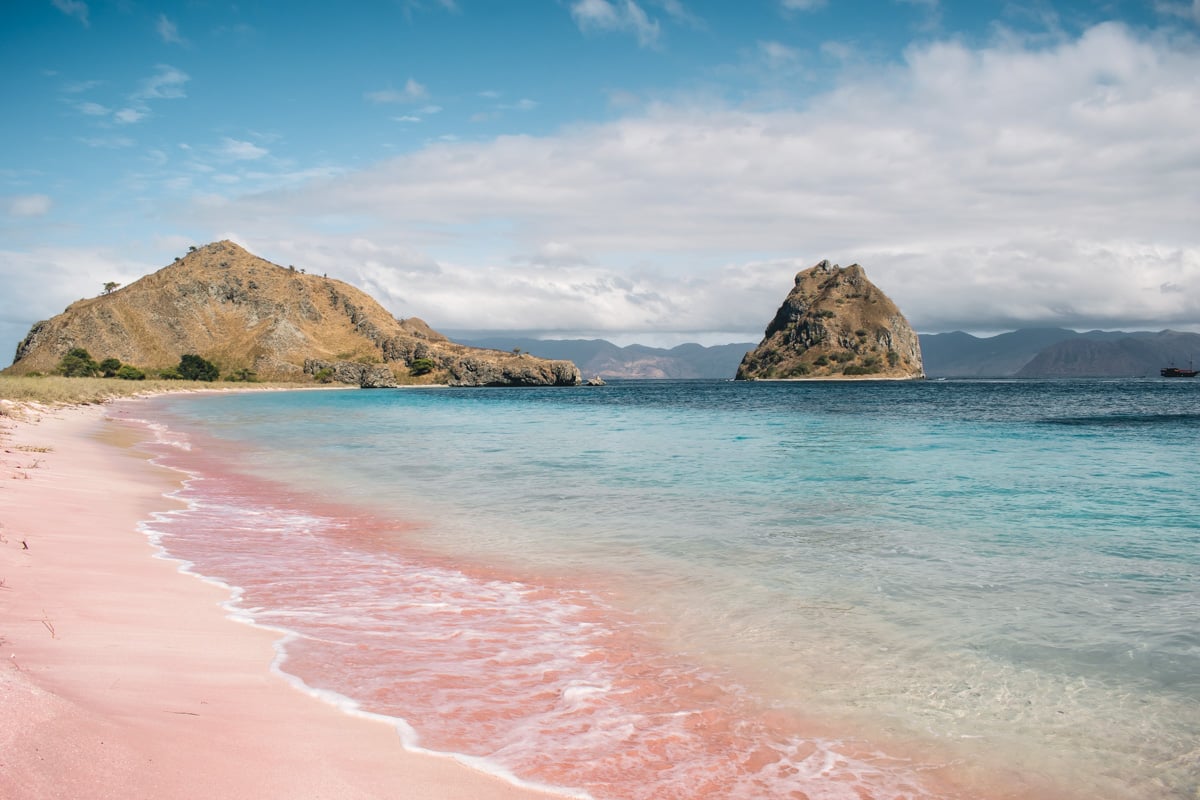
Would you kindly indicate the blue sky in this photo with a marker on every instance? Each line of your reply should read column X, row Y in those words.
column 641, row 170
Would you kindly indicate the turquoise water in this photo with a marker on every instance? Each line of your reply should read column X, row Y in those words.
column 992, row 585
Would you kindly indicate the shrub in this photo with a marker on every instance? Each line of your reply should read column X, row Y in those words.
column 856, row 369
column 170, row 374
column 822, row 361
column 242, row 375
column 128, row 373
column 893, row 358
column 109, row 367
column 78, row 363
column 194, row 368
column 421, row 366
column 860, row 333
column 324, row 375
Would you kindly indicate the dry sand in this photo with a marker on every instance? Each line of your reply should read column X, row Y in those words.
column 123, row 678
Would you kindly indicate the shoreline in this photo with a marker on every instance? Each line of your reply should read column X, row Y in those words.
column 126, row 677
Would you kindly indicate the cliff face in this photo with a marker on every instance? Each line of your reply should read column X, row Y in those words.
column 240, row 311
column 835, row 324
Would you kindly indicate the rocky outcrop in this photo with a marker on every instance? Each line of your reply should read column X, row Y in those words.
column 242, row 312
column 835, row 324
column 367, row 376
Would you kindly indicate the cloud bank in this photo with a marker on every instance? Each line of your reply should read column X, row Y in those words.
column 1017, row 184
column 983, row 189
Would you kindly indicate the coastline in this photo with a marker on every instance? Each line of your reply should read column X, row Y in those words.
column 124, row 677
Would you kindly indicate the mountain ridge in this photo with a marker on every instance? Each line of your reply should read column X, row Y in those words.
column 955, row 354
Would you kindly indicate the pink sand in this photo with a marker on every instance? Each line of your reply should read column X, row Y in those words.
column 123, row 677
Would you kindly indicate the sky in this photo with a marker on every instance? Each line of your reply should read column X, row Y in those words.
column 650, row 171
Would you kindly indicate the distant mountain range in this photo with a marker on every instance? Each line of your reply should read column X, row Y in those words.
column 1058, row 353
column 1026, row 353
column 603, row 358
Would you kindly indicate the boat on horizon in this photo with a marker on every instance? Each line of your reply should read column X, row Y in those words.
column 1176, row 372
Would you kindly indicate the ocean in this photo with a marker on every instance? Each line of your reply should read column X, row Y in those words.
column 686, row 589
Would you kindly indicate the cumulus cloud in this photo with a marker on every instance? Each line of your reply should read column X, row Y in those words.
column 620, row 15
column 981, row 188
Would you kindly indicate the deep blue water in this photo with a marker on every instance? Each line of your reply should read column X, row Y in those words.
column 1010, row 566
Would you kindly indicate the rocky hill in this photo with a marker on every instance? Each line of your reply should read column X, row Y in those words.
column 243, row 312
column 835, row 324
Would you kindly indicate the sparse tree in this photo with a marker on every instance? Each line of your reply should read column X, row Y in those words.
column 109, row 367
column 109, row 286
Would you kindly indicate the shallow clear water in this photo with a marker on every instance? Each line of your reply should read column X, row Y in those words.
column 686, row 589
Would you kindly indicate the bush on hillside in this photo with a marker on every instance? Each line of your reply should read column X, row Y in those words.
column 129, row 373
column 421, row 366
column 242, row 375
column 77, row 363
column 194, row 368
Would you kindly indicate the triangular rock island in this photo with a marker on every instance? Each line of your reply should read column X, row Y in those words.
column 835, row 324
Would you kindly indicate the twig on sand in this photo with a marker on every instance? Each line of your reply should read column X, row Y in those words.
column 49, row 625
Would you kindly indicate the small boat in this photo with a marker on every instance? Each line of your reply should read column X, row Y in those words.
column 1176, row 372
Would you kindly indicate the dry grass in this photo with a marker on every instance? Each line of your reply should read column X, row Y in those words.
column 59, row 391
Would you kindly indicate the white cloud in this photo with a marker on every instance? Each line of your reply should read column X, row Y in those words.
column 411, row 93
column 617, row 16
column 93, row 109
column 165, row 84
column 980, row 188
column 29, row 205
column 74, row 8
column 802, row 5
column 778, row 54
column 128, row 116
column 40, row 283
column 168, row 31
column 237, row 150
column 110, row 142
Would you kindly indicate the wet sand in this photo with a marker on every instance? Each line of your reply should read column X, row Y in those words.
column 123, row 677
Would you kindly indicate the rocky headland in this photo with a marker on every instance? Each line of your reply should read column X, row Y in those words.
column 835, row 324
column 242, row 312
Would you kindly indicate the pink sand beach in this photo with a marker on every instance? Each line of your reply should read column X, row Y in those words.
column 124, row 677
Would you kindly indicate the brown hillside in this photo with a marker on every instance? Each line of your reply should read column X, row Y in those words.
column 240, row 311
column 835, row 324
